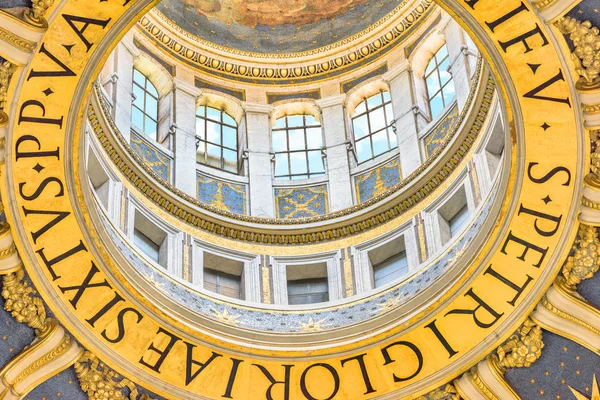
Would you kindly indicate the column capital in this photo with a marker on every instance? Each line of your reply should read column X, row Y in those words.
column 332, row 101
column 258, row 108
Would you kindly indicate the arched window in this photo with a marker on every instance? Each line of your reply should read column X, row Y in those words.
column 216, row 139
column 297, row 143
column 440, row 86
column 373, row 127
column 144, row 109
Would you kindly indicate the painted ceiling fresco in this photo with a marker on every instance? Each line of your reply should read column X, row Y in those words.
column 275, row 26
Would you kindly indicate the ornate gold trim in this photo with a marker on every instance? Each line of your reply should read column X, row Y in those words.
column 560, row 313
column 7, row 252
column 17, row 41
column 481, row 385
column 541, row 5
column 35, row 15
column 57, row 351
column 22, row 301
column 274, row 72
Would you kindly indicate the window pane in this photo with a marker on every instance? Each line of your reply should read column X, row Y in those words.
column 361, row 108
column 436, row 105
column 297, row 139
column 138, row 77
column 430, row 66
column 442, row 53
column 229, row 137
column 279, row 141
column 137, row 118
column 314, row 138
column 138, row 93
column 315, row 162
column 213, row 132
column 377, row 119
column 363, row 150
column 444, row 73
column 295, row 120
column 146, row 245
column 298, row 163
column 228, row 120
column 433, row 85
column 214, row 155
column 386, row 96
column 281, row 164
column 280, row 123
column 380, row 143
column 150, row 127
column 230, row 158
column 200, row 131
column 311, row 120
column 152, row 107
column 151, row 89
column 361, row 127
column 201, row 111
column 213, row 114
column 393, row 138
column 298, row 177
column 374, row 101
column 449, row 92
column 457, row 222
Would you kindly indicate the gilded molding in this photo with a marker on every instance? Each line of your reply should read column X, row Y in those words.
column 558, row 312
column 299, row 237
column 100, row 382
column 583, row 264
column 6, row 71
column 481, row 385
column 17, row 41
column 542, row 4
column 7, row 252
column 275, row 72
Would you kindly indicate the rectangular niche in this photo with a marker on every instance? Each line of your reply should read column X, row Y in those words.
column 150, row 239
column 307, row 284
column 389, row 262
column 453, row 215
column 223, row 276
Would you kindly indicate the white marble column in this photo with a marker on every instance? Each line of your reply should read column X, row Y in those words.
column 407, row 128
column 122, row 93
column 262, row 202
column 338, row 163
column 184, row 142
column 460, row 69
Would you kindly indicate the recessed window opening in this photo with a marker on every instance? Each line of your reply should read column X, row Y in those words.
column 495, row 147
column 307, row 284
column 99, row 179
column 223, row 275
column 373, row 127
column 144, row 109
column 440, row 85
column 297, row 142
column 150, row 239
column 389, row 262
column 454, row 215
column 216, row 139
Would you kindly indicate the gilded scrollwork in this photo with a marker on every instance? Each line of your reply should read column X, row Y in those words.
column 23, row 302
column 98, row 381
column 586, row 39
column 6, row 71
column 522, row 349
column 584, row 261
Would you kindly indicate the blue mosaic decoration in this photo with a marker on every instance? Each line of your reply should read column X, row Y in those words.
column 238, row 94
column 441, row 132
column 151, row 156
column 311, row 94
column 222, row 195
column 301, row 202
column 376, row 181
